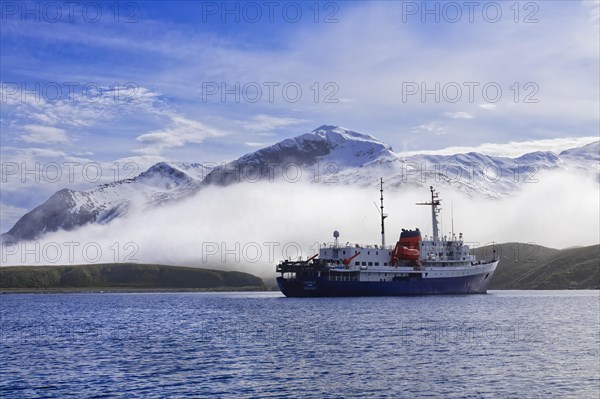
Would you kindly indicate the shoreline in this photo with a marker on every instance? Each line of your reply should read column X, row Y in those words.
column 124, row 290
column 141, row 290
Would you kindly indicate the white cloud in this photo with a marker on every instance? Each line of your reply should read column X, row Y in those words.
column 459, row 115
column 489, row 107
column 44, row 134
column 434, row 127
column 180, row 132
column 266, row 123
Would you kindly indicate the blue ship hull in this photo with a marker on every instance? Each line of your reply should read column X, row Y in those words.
column 321, row 287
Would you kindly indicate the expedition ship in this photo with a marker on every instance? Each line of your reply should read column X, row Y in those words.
column 414, row 266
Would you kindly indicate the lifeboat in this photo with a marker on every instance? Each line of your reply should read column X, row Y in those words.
column 407, row 248
column 409, row 253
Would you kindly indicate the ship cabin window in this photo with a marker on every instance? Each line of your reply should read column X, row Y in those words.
column 364, row 263
column 357, row 263
column 376, row 252
column 344, row 252
column 385, row 263
column 324, row 252
column 368, row 252
column 376, row 263
column 370, row 263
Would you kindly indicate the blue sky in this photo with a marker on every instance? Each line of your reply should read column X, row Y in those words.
column 355, row 65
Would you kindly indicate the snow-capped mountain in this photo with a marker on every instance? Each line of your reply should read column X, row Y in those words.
column 68, row 209
column 329, row 154
column 330, row 147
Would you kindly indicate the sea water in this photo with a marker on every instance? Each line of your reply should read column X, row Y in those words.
column 260, row 344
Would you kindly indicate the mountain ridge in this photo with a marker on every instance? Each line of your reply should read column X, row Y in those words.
column 327, row 154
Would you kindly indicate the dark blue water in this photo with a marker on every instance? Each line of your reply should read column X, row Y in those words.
column 504, row 344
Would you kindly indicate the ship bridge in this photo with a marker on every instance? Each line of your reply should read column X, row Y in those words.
column 445, row 251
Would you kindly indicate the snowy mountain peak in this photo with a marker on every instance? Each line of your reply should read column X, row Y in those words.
column 162, row 169
column 350, row 148
column 164, row 175
column 340, row 136
column 173, row 174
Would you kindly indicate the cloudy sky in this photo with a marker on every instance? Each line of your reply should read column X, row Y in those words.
column 146, row 81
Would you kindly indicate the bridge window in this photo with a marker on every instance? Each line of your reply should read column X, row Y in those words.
column 344, row 252
column 376, row 263
column 370, row 263
column 357, row 263
column 385, row 263
column 364, row 263
column 368, row 252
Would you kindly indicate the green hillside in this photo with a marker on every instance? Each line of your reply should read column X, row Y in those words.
column 522, row 266
column 530, row 267
column 123, row 275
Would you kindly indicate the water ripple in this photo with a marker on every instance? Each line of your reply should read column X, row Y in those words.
column 247, row 345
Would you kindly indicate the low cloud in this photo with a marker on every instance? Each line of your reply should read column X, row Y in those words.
column 250, row 227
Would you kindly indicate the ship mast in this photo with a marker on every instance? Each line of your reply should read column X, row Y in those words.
column 435, row 203
column 383, row 215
